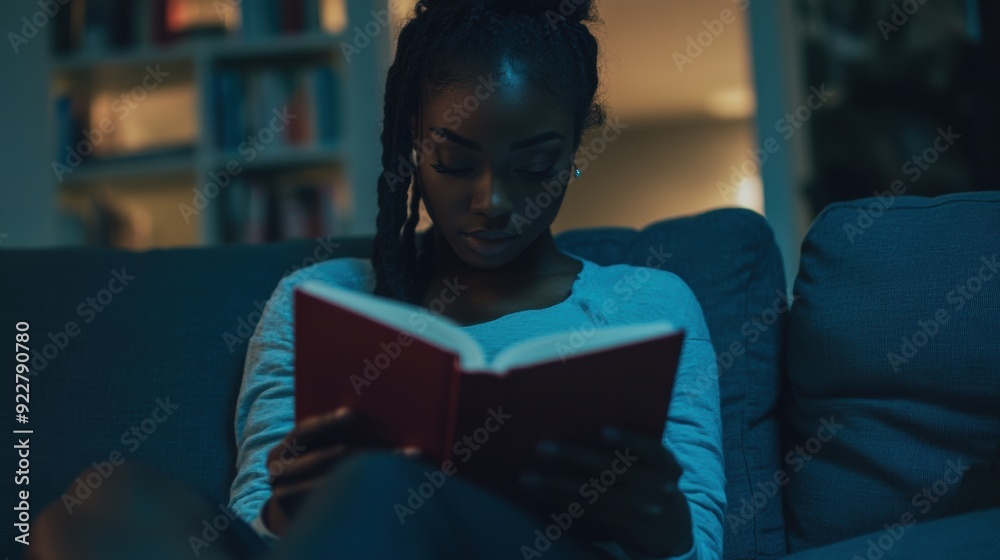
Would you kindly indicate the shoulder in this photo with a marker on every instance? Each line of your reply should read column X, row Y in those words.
column 347, row 272
column 641, row 293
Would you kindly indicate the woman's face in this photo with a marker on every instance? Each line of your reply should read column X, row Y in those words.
column 496, row 157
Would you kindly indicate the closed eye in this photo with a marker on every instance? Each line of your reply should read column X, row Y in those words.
column 442, row 168
column 539, row 175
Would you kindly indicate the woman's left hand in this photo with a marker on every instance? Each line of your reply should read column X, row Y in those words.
column 624, row 490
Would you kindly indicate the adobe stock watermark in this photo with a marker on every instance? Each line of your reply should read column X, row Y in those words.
column 713, row 29
column 464, row 449
column 958, row 297
column 454, row 117
column 923, row 502
column 246, row 325
column 419, row 320
column 87, row 309
column 625, row 289
column 787, row 126
column 122, row 106
column 900, row 16
column 30, row 26
column 131, row 439
column 796, row 460
column 913, row 169
column 592, row 490
column 553, row 188
column 249, row 149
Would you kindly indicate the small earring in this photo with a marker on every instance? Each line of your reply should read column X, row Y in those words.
column 578, row 172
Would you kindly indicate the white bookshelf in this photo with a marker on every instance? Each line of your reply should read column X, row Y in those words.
column 351, row 159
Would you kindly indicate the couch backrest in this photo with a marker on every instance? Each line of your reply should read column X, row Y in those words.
column 139, row 356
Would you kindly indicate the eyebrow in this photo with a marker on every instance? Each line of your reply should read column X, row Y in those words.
column 514, row 146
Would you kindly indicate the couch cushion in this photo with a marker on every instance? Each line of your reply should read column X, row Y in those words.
column 730, row 261
column 893, row 362
column 972, row 536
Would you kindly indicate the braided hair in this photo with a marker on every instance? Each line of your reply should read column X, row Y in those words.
column 441, row 45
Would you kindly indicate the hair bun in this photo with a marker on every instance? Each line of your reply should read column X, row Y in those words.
column 573, row 10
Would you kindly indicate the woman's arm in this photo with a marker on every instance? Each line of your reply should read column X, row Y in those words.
column 265, row 412
column 693, row 432
column 264, row 408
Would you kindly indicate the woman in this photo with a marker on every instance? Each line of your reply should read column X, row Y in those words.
column 485, row 106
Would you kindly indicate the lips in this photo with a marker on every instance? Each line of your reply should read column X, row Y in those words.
column 488, row 243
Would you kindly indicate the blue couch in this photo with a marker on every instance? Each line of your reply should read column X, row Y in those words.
column 849, row 416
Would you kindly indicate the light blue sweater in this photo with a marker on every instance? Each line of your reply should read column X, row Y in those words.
column 601, row 295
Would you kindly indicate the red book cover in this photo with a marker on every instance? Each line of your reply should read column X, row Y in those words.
column 407, row 371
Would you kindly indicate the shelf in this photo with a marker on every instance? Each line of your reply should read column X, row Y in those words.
column 83, row 61
column 223, row 83
column 211, row 49
column 157, row 165
column 284, row 158
column 279, row 46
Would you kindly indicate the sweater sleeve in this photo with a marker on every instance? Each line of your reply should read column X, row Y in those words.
column 265, row 410
column 693, row 432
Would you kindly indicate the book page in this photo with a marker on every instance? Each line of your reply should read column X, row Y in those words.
column 560, row 346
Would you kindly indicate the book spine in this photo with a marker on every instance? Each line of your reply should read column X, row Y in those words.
column 326, row 104
column 312, row 22
column 122, row 18
column 95, row 31
column 292, row 15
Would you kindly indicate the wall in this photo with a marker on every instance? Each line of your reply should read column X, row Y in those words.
column 27, row 195
column 656, row 170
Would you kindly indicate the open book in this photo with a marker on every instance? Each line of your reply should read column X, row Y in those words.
column 423, row 381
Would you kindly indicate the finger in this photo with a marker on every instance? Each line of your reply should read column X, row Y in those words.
column 411, row 451
column 610, row 511
column 555, row 496
column 604, row 463
column 343, row 425
column 651, row 449
column 601, row 515
column 307, row 465
column 336, row 428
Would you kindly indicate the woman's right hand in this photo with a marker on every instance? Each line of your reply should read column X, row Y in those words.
column 297, row 465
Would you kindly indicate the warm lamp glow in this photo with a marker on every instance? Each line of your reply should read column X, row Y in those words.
column 736, row 103
column 334, row 14
column 750, row 194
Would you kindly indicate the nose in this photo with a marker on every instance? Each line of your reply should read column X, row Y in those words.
column 491, row 198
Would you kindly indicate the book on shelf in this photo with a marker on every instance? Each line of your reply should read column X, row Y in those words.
column 261, row 209
column 96, row 26
column 246, row 102
column 420, row 380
